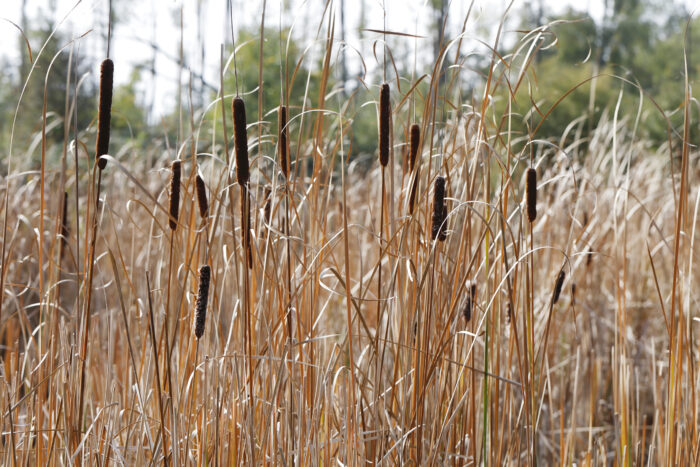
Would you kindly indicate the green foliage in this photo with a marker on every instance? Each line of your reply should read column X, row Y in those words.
column 628, row 47
column 279, row 60
column 29, row 118
column 128, row 114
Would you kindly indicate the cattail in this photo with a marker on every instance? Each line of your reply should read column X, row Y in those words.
column 283, row 141
column 267, row 208
column 531, row 194
column 384, row 117
column 174, row 193
column 471, row 300
column 202, row 298
column 241, row 141
column 439, row 210
column 412, row 198
column 104, row 113
column 415, row 141
column 573, row 293
column 557, row 286
column 64, row 223
column 589, row 256
column 467, row 312
column 202, row 197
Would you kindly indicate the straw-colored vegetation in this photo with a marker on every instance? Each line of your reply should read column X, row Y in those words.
column 251, row 294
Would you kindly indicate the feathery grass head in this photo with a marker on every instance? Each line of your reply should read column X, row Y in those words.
column 439, row 210
column 283, row 141
column 414, row 143
column 202, row 201
column 175, row 174
column 202, row 299
column 104, row 113
column 531, row 194
column 240, row 134
column 384, row 124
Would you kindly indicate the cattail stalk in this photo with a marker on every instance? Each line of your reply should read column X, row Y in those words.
column 175, row 174
column 531, row 194
column 104, row 114
column 202, row 299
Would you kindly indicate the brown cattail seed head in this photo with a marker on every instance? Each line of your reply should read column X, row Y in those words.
column 573, row 293
column 202, row 299
column 531, row 194
column 412, row 198
column 175, row 193
column 557, row 286
column 384, row 120
column 471, row 300
column 267, row 208
column 202, row 197
column 240, row 135
column 104, row 113
column 415, row 142
column 64, row 223
column 283, row 141
column 439, row 210
column 467, row 309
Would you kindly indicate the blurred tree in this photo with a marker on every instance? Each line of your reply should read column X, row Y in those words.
column 59, row 51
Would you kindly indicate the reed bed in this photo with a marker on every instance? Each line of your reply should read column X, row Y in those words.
column 503, row 300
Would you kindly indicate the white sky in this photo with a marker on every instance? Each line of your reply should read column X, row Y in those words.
column 146, row 21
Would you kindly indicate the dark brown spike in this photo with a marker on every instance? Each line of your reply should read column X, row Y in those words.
column 267, row 208
column 439, row 210
column 175, row 173
column 283, row 140
column 471, row 301
column 240, row 134
column 202, row 200
column 412, row 198
column 415, row 143
column 384, row 124
column 104, row 112
column 467, row 311
column 557, row 286
column 573, row 293
column 531, row 194
column 64, row 223
column 202, row 299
